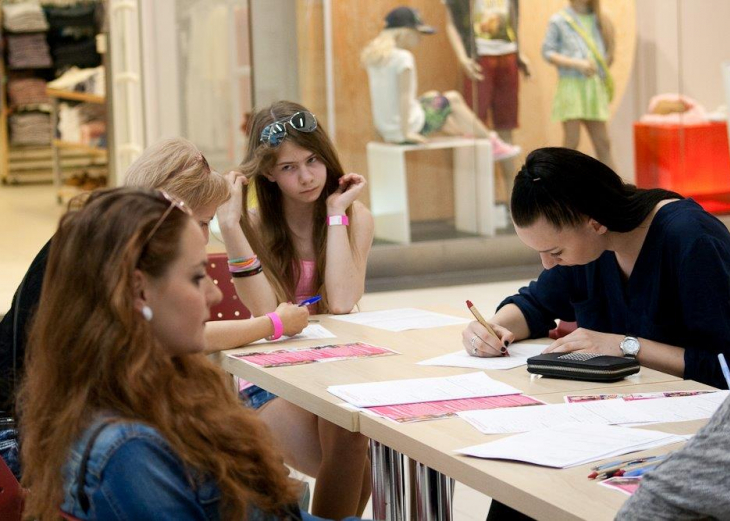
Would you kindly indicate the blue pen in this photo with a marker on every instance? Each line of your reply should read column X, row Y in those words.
column 310, row 301
column 637, row 472
column 725, row 370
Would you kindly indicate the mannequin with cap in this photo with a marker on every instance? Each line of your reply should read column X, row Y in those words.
column 399, row 115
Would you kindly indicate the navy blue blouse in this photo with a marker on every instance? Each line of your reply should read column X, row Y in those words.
column 678, row 292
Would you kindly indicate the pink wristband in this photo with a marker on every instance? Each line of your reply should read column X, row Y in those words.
column 337, row 220
column 278, row 326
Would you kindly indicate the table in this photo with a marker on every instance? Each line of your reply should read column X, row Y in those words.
column 547, row 493
column 542, row 493
column 306, row 385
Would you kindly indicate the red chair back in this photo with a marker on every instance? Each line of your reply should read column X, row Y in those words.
column 230, row 307
column 563, row 329
column 11, row 495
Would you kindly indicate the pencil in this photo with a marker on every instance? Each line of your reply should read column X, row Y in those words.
column 480, row 318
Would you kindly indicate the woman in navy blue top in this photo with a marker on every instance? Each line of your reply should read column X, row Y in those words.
column 644, row 273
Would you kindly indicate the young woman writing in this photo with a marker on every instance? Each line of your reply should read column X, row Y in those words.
column 645, row 273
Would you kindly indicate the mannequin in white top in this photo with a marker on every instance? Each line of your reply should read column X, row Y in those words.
column 399, row 115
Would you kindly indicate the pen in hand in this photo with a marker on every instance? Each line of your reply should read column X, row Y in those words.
column 480, row 319
column 310, row 301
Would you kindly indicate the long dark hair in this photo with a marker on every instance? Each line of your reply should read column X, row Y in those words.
column 566, row 186
column 273, row 240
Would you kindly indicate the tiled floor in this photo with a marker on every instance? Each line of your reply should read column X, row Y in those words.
column 29, row 216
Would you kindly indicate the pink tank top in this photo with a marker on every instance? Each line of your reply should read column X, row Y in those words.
column 305, row 286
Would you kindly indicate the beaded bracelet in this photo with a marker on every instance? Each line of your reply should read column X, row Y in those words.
column 248, row 273
column 244, row 265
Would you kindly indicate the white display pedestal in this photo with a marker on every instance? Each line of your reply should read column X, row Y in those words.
column 473, row 186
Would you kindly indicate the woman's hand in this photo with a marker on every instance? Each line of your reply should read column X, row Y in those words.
column 294, row 318
column 588, row 341
column 481, row 343
column 229, row 213
column 586, row 67
column 350, row 187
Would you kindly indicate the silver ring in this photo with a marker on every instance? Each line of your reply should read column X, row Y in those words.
column 474, row 350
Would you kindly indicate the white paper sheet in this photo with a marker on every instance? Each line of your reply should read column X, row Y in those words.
column 604, row 412
column 311, row 332
column 401, row 319
column 571, row 445
column 397, row 392
column 518, row 355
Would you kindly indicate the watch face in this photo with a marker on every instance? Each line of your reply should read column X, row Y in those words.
column 630, row 346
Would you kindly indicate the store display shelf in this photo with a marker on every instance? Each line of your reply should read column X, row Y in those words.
column 91, row 150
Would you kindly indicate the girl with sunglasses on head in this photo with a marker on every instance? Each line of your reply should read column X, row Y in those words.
column 308, row 236
column 122, row 416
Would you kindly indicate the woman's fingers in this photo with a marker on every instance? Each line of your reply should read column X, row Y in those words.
column 477, row 341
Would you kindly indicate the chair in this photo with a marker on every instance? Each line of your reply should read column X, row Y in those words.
column 563, row 329
column 230, row 307
column 11, row 495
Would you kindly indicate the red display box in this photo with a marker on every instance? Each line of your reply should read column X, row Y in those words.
column 693, row 160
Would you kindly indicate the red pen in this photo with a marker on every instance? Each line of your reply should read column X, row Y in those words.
column 480, row 319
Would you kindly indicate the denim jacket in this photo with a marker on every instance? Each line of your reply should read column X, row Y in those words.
column 132, row 473
column 562, row 39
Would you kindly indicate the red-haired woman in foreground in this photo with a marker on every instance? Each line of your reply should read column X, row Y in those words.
column 122, row 416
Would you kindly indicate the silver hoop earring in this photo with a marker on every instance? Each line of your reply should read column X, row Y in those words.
column 147, row 313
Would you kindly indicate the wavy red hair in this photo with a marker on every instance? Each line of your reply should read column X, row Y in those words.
column 90, row 350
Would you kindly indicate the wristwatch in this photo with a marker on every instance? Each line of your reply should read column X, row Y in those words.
column 630, row 346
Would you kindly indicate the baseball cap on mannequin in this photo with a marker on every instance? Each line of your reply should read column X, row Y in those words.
column 407, row 17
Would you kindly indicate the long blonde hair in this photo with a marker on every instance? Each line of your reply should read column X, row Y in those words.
column 377, row 52
column 272, row 240
column 178, row 167
column 90, row 351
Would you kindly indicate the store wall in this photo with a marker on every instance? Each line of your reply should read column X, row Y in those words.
column 275, row 55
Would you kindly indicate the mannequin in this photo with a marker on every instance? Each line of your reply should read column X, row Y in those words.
column 580, row 43
column 400, row 116
column 483, row 34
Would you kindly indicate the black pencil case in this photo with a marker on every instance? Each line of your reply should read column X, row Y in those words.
column 583, row 366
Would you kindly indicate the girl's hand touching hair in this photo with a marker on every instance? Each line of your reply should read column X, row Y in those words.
column 294, row 318
column 350, row 187
column 229, row 213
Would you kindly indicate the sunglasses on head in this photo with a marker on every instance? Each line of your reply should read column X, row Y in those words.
column 174, row 203
column 275, row 132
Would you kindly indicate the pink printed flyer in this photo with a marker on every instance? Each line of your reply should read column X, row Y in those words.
column 626, row 485
column 328, row 353
column 632, row 397
column 425, row 411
